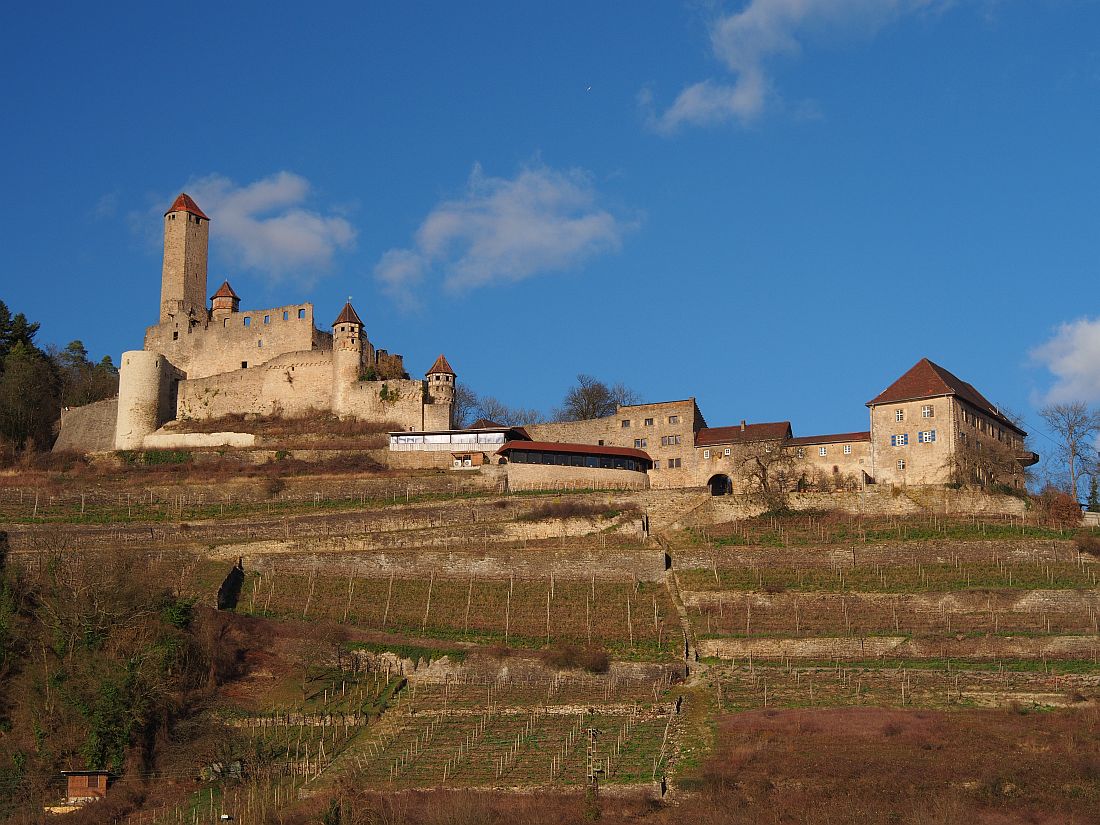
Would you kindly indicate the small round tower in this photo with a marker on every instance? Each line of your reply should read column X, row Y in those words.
column 440, row 379
column 141, row 395
column 347, row 356
column 225, row 301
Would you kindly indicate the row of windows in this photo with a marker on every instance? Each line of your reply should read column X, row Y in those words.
column 247, row 320
column 923, row 437
column 648, row 422
column 574, row 460
column 926, row 411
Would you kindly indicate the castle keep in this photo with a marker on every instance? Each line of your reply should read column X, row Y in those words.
column 205, row 360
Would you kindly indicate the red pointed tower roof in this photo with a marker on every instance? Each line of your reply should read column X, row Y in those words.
column 441, row 366
column 226, row 291
column 348, row 315
column 183, row 203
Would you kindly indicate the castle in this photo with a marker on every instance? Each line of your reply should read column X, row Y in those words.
column 206, row 361
column 203, row 361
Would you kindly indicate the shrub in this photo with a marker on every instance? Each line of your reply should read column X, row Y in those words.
column 594, row 660
column 1088, row 544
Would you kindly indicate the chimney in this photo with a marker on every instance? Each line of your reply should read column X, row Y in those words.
column 742, row 425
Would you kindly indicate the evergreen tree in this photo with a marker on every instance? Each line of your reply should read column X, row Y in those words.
column 1094, row 496
column 29, row 397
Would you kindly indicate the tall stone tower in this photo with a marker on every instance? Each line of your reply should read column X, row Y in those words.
column 439, row 414
column 347, row 356
column 183, row 276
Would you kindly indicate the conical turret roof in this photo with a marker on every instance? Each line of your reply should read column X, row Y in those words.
column 226, row 291
column 184, row 203
column 441, row 365
column 348, row 315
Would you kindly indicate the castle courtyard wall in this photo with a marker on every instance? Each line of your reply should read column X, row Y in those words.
column 220, row 344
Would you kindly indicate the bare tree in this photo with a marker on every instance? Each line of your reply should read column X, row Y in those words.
column 1076, row 428
column 499, row 412
column 464, row 406
column 766, row 469
column 985, row 462
column 592, row 398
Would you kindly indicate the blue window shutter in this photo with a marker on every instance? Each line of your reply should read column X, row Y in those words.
column 933, row 435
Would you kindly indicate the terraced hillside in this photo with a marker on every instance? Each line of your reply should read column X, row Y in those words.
column 419, row 632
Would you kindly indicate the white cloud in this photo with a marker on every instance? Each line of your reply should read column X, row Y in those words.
column 1073, row 356
column 505, row 229
column 746, row 40
column 265, row 226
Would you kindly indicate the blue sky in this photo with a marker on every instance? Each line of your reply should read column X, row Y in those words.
column 776, row 206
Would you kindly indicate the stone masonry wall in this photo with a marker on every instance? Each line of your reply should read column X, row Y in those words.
column 221, row 344
column 88, row 429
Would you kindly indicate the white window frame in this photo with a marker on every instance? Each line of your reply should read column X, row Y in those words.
column 847, row 449
column 726, row 451
column 899, row 415
column 706, row 453
column 801, row 452
column 901, row 464
column 928, row 411
column 822, row 451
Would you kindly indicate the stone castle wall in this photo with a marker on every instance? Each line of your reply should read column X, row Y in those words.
column 90, row 428
column 221, row 344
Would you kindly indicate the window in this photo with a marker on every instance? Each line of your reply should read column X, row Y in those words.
column 673, row 463
column 706, row 453
column 225, row 322
column 927, row 412
column 600, row 442
column 286, row 315
column 847, row 449
column 267, row 319
column 726, row 451
column 260, row 343
column 93, row 781
column 900, row 440
column 175, row 335
column 801, row 453
column 674, row 419
column 244, row 365
column 926, row 436
column 823, row 451
column 247, row 321
column 670, row 440
column 901, row 463
column 649, row 422
column 899, row 415
column 301, row 313
column 626, row 423
column 656, row 465
column 640, row 443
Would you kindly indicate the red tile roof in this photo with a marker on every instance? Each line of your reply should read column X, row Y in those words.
column 928, row 380
column 486, row 424
column 183, row 203
column 348, row 315
column 835, row 438
column 585, row 449
column 770, row 431
column 441, row 365
column 225, row 291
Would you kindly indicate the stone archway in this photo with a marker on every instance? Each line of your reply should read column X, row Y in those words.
column 720, row 485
